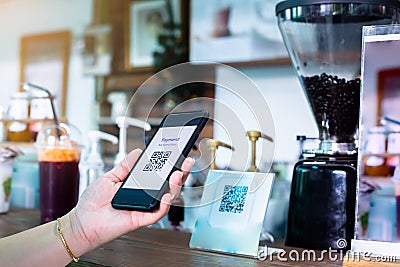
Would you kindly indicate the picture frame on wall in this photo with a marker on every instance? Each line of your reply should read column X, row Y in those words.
column 236, row 33
column 388, row 93
column 44, row 60
column 145, row 21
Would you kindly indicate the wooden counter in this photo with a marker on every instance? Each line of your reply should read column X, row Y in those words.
column 150, row 247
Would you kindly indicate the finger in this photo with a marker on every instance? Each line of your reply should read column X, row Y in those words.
column 120, row 172
column 175, row 183
column 155, row 216
column 165, row 204
column 186, row 167
column 178, row 178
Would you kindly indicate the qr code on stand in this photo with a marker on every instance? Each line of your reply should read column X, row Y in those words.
column 234, row 199
column 157, row 161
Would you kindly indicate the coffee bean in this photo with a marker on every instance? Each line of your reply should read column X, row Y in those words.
column 335, row 103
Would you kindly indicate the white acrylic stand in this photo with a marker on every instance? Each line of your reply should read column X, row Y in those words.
column 232, row 212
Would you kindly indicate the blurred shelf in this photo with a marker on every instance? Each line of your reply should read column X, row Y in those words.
column 31, row 120
column 382, row 155
column 127, row 81
column 24, row 146
column 111, row 121
column 24, row 120
column 379, row 180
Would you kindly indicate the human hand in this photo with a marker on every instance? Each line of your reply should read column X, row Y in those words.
column 96, row 222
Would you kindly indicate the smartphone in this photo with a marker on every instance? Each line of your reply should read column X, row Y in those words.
column 148, row 180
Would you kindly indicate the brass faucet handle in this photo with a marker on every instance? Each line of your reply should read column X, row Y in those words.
column 267, row 137
column 257, row 134
column 219, row 143
column 211, row 144
column 253, row 136
column 214, row 144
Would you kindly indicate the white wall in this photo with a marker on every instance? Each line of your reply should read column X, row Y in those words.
column 21, row 17
column 290, row 111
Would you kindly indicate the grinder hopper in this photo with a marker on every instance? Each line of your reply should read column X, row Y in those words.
column 323, row 39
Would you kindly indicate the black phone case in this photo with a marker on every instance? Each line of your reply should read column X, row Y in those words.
column 150, row 198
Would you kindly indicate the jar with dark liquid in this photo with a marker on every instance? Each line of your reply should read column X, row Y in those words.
column 58, row 156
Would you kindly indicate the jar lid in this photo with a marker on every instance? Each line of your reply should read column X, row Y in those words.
column 377, row 130
column 20, row 95
column 58, row 135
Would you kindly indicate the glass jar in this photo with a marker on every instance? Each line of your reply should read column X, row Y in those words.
column 375, row 148
column 18, row 130
column 393, row 149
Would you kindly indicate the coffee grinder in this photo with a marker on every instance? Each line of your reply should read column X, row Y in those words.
column 324, row 40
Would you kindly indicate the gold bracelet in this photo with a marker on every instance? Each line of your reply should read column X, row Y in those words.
column 58, row 224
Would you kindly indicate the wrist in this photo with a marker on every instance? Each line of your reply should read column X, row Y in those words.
column 74, row 234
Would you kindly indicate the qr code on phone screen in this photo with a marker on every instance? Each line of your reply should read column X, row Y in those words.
column 157, row 161
column 234, row 199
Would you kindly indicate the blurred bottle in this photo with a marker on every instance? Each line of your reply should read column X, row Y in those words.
column 7, row 155
column 396, row 185
column 25, row 181
column 92, row 165
column 119, row 103
column 375, row 147
column 40, row 109
column 393, row 149
column 3, row 133
column 176, row 213
column 221, row 19
column 382, row 215
column 18, row 131
column 123, row 124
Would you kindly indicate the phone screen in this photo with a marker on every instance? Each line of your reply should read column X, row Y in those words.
column 159, row 158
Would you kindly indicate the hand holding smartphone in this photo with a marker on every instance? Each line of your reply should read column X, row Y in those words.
column 147, row 182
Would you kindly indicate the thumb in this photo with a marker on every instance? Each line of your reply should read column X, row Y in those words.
column 120, row 172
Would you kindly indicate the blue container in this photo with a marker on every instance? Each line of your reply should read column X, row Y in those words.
column 25, row 182
column 382, row 215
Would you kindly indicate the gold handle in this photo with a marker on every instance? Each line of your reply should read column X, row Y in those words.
column 256, row 134
column 213, row 146
column 253, row 136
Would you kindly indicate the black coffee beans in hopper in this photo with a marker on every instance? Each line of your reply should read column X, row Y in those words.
column 335, row 103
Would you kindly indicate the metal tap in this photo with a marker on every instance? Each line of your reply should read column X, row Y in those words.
column 123, row 123
column 253, row 136
column 213, row 146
